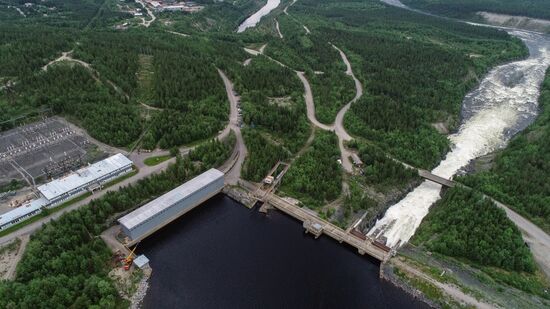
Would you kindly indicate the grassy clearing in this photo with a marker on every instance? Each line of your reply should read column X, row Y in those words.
column 152, row 161
column 145, row 78
column 428, row 289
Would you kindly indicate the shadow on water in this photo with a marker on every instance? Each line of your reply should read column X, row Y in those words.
column 223, row 255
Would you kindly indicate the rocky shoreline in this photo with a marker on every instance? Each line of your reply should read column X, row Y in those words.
column 137, row 298
column 387, row 274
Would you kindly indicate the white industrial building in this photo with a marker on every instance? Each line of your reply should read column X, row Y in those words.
column 84, row 180
column 152, row 216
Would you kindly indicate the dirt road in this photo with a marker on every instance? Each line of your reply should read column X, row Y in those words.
column 310, row 104
column 278, row 29
column 9, row 259
column 535, row 237
column 232, row 177
column 449, row 289
column 67, row 56
column 339, row 128
column 144, row 22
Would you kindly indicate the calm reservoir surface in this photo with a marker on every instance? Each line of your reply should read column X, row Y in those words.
column 222, row 255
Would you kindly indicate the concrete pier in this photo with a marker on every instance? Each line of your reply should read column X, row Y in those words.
column 317, row 226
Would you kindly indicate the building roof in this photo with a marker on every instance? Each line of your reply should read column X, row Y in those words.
column 355, row 158
column 141, row 261
column 22, row 210
column 83, row 176
column 165, row 201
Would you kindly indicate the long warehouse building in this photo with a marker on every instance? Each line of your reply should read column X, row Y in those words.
column 55, row 192
column 152, row 216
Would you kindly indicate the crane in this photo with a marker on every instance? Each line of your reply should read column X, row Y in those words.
column 128, row 260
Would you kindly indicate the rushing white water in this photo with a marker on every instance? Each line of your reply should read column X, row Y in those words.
column 254, row 19
column 504, row 103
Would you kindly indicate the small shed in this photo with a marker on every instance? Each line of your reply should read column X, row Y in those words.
column 356, row 160
column 141, row 262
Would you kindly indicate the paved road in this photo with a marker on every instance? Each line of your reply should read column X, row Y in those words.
column 29, row 229
column 145, row 171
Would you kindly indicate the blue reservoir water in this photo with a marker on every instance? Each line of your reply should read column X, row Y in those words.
column 223, row 255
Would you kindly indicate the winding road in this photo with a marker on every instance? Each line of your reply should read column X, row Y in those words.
column 144, row 22
column 338, row 126
column 537, row 239
column 67, row 56
column 233, row 175
column 146, row 171
column 278, row 29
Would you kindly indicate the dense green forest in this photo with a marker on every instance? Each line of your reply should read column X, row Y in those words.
column 262, row 155
column 419, row 65
column 382, row 172
column 464, row 224
column 316, row 177
column 61, row 13
column 66, row 263
column 272, row 101
column 25, row 49
column 357, row 200
column 105, row 98
column 520, row 176
column 324, row 68
column 213, row 152
column 467, row 8
column 74, row 91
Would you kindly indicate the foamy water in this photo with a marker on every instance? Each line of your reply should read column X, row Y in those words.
column 504, row 103
column 255, row 18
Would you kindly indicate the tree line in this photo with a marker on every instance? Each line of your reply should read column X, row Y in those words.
column 315, row 178
column 66, row 263
column 465, row 224
column 520, row 175
column 262, row 155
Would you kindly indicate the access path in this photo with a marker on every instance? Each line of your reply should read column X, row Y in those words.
column 233, row 175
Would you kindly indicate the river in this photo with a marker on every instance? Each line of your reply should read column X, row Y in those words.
column 255, row 18
column 505, row 102
column 223, row 255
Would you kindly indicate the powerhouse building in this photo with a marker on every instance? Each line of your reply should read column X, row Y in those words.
column 76, row 183
column 152, row 216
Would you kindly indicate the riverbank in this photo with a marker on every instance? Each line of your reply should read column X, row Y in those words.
column 446, row 280
column 504, row 103
column 226, row 255
column 255, row 18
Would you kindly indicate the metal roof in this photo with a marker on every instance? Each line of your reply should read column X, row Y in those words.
column 141, row 261
column 165, row 201
column 22, row 210
column 83, row 176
